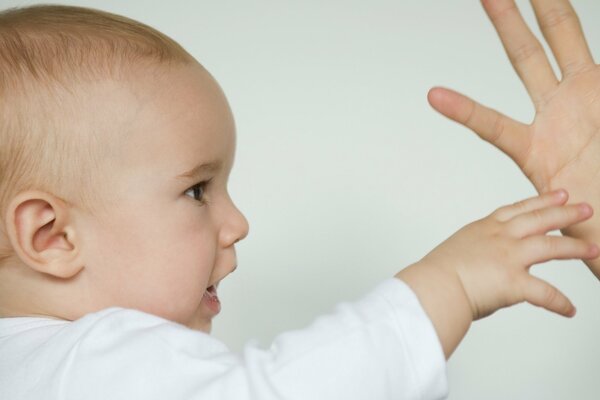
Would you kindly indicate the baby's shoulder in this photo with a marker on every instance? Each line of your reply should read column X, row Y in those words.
column 114, row 351
column 128, row 329
column 113, row 330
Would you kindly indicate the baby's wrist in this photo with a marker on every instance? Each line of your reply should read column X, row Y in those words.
column 434, row 280
column 443, row 298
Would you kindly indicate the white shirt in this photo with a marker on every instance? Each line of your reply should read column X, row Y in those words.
column 380, row 347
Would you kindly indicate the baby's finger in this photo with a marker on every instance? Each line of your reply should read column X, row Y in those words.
column 556, row 197
column 542, row 294
column 542, row 248
column 547, row 219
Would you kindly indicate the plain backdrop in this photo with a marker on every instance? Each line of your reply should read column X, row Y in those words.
column 347, row 175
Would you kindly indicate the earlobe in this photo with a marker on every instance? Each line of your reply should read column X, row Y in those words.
column 42, row 235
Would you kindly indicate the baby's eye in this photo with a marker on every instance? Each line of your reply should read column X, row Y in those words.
column 199, row 189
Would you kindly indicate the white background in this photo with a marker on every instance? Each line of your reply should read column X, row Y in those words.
column 347, row 175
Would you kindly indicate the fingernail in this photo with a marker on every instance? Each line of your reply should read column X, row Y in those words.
column 594, row 250
column 585, row 208
column 560, row 194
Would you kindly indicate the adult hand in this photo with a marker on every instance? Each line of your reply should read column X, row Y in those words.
column 561, row 147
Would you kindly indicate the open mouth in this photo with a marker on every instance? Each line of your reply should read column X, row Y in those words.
column 211, row 293
column 211, row 301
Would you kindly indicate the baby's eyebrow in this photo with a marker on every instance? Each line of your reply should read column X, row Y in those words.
column 199, row 170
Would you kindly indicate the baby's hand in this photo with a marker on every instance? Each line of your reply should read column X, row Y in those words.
column 485, row 265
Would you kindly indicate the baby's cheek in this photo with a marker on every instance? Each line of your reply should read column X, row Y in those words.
column 197, row 254
column 186, row 295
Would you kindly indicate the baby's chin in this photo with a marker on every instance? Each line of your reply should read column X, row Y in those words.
column 198, row 323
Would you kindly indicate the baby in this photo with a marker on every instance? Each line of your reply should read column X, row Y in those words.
column 117, row 229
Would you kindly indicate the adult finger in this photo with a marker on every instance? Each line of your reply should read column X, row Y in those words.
column 508, row 135
column 544, row 220
column 547, row 199
column 525, row 52
column 561, row 28
column 542, row 294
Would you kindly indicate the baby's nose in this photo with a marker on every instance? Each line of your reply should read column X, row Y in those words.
column 236, row 228
column 244, row 227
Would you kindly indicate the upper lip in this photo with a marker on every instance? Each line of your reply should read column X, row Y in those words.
column 216, row 283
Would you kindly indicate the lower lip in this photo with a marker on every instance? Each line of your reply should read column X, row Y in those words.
column 211, row 301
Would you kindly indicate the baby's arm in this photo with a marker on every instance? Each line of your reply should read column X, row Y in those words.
column 561, row 147
column 382, row 346
column 484, row 266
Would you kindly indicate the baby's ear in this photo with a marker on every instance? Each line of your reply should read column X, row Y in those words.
column 41, row 234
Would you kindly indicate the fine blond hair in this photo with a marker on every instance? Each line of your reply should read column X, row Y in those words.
column 46, row 51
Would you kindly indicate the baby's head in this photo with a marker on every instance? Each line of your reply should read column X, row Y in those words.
column 116, row 147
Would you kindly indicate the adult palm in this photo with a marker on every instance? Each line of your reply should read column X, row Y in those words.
column 561, row 147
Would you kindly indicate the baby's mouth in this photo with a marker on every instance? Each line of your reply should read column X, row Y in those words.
column 211, row 294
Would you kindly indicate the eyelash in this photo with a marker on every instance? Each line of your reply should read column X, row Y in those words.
column 202, row 186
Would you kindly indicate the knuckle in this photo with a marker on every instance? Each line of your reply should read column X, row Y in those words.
column 556, row 16
column 471, row 115
column 495, row 227
column 497, row 15
column 575, row 67
column 520, row 206
column 524, row 52
column 550, row 295
column 498, row 213
column 497, row 129
column 538, row 215
column 551, row 244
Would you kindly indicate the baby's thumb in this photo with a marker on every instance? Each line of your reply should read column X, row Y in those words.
column 542, row 294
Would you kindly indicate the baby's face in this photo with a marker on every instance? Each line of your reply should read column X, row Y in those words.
column 171, row 236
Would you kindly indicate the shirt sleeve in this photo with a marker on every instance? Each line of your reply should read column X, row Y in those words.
column 381, row 346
